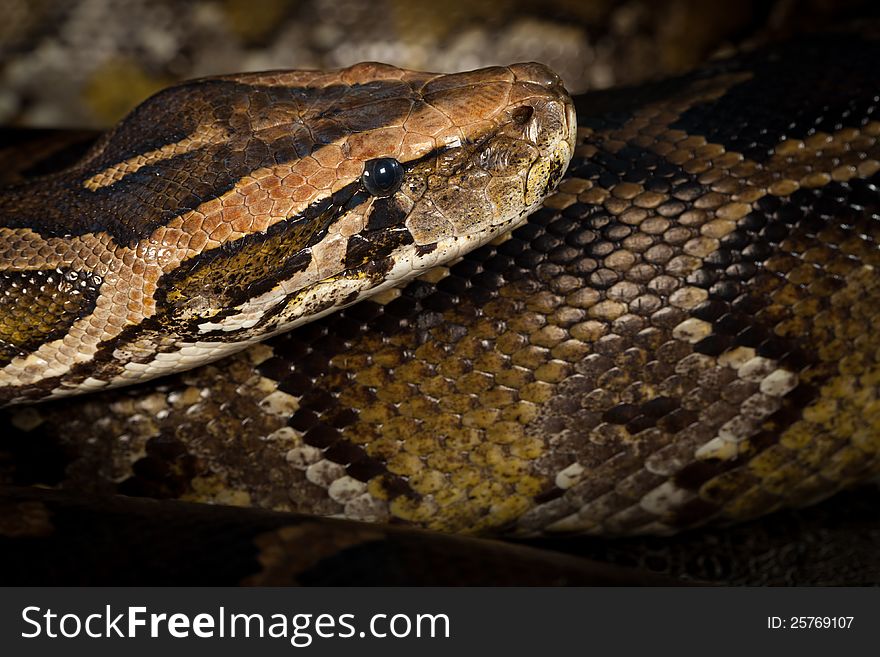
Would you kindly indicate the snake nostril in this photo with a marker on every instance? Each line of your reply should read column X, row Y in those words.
column 521, row 115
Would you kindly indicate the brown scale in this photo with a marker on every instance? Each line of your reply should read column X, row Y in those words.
column 683, row 333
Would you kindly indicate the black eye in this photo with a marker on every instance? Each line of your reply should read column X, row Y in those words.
column 382, row 176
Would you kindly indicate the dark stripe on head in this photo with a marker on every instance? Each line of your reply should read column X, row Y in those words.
column 137, row 204
column 386, row 213
column 374, row 247
column 229, row 275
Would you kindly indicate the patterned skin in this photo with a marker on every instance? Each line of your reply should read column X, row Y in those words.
column 226, row 210
column 683, row 333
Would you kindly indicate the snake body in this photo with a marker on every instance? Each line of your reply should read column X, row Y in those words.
column 685, row 332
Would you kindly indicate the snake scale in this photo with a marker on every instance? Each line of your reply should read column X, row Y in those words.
column 684, row 333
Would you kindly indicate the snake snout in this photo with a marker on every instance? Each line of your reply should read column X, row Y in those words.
column 544, row 115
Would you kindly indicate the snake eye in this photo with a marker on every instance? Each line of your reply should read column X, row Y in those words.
column 382, row 176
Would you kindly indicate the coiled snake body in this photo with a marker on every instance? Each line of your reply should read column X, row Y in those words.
column 684, row 332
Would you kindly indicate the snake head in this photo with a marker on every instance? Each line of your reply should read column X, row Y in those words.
column 365, row 177
column 225, row 210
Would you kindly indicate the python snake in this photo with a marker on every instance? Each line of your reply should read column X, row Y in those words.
column 684, row 333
